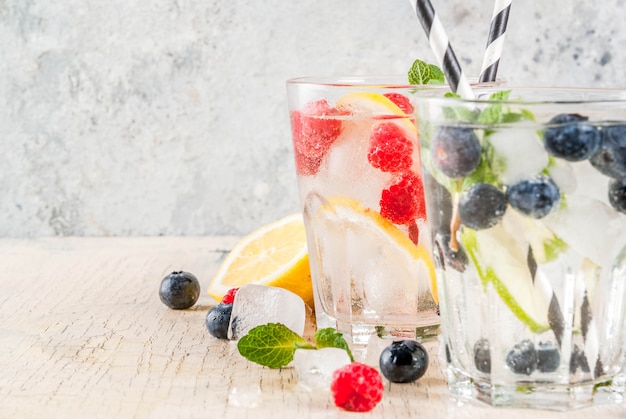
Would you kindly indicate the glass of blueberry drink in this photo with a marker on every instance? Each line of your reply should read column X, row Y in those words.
column 526, row 199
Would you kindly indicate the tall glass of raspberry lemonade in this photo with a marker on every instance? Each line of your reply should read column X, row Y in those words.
column 358, row 168
column 526, row 202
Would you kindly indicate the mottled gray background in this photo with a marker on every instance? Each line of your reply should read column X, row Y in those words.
column 168, row 117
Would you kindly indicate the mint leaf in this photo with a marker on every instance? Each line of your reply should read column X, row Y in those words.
column 424, row 73
column 271, row 345
column 330, row 338
column 501, row 95
column 437, row 75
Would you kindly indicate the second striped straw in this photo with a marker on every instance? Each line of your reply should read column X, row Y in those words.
column 440, row 45
column 495, row 42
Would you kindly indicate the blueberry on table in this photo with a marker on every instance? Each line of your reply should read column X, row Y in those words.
column 455, row 151
column 548, row 357
column 482, row 356
column 536, row 197
column 217, row 320
column 617, row 194
column 482, row 206
column 179, row 290
column 610, row 159
column 571, row 137
column 403, row 361
column 522, row 359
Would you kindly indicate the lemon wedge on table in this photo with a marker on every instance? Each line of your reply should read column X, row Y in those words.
column 274, row 255
column 382, row 243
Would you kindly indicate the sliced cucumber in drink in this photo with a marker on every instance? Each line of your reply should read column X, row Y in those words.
column 502, row 261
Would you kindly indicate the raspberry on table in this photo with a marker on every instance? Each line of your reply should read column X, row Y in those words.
column 401, row 102
column 390, row 150
column 357, row 387
column 230, row 296
column 403, row 202
column 314, row 130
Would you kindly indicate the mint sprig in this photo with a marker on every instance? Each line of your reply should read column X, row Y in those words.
column 330, row 338
column 424, row 73
column 273, row 344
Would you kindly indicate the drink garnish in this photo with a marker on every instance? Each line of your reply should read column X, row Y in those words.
column 273, row 344
column 424, row 73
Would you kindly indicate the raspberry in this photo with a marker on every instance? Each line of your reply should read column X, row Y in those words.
column 403, row 202
column 313, row 134
column 414, row 232
column 230, row 296
column 390, row 150
column 357, row 387
column 401, row 101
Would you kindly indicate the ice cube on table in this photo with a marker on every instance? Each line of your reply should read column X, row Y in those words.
column 256, row 305
column 519, row 154
column 315, row 367
column 248, row 396
column 375, row 346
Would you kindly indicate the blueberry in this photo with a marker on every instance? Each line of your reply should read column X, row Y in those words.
column 570, row 137
column 548, row 357
column 482, row 206
column 217, row 320
column 455, row 151
column 403, row 361
column 482, row 356
column 534, row 197
column 617, row 194
column 522, row 359
column 456, row 259
column 179, row 290
column 611, row 157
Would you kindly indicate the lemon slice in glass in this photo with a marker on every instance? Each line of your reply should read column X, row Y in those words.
column 274, row 255
column 387, row 262
column 372, row 104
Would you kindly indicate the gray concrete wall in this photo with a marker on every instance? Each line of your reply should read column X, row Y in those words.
column 168, row 117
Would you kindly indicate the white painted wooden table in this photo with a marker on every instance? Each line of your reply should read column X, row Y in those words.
column 83, row 334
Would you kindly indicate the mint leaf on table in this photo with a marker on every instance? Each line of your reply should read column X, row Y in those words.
column 330, row 338
column 424, row 73
column 271, row 345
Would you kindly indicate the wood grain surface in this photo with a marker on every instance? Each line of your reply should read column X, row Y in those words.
column 83, row 334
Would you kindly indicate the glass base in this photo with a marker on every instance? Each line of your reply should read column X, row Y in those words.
column 358, row 335
column 546, row 396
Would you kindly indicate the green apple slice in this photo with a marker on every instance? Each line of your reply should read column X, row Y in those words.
column 501, row 259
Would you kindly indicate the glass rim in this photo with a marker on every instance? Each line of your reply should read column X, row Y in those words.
column 379, row 81
column 557, row 95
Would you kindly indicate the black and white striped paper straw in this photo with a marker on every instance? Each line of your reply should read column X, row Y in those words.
column 497, row 32
column 442, row 49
